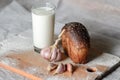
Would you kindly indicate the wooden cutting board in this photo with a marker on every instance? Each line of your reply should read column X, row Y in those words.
column 31, row 63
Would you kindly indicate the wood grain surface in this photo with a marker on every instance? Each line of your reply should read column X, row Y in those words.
column 95, row 69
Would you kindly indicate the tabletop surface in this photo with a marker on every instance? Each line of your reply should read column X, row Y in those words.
column 101, row 18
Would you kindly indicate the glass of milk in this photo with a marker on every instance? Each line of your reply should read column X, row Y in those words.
column 43, row 20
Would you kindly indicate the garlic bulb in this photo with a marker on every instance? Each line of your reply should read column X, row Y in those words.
column 53, row 53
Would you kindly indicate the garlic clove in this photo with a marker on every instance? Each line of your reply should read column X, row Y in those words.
column 51, row 66
column 54, row 54
column 60, row 69
column 65, row 68
column 46, row 53
column 59, row 56
column 69, row 67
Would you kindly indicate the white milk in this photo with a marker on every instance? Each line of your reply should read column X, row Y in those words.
column 43, row 26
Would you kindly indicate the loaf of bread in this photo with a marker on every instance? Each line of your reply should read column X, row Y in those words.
column 76, row 42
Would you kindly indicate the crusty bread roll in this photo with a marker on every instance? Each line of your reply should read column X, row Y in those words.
column 76, row 41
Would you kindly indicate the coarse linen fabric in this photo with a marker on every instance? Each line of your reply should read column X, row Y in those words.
column 101, row 18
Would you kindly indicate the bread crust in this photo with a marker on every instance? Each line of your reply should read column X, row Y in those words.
column 76, row 41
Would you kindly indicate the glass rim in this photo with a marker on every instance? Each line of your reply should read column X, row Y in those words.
column 45, row 4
